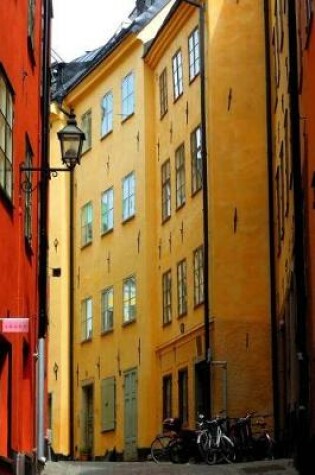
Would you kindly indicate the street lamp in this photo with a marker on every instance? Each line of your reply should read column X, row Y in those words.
column 71, row 140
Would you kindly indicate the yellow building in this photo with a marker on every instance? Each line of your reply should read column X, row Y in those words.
column 143, row 296
column 236, row 133
column 113, row 255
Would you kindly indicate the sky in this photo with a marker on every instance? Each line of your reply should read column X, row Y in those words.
column 83, row 25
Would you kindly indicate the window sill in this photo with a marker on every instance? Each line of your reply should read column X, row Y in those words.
column 7, row 201
column 167, row 218
column 192, row 80
column 163, row 115
column 84, row 152
column 130, row 322
column 125, row 119
column 107, row 134
column 178, row 97
column 166, row 324
column 109, row 231
column 107, row 332
column 181, row 206
column 195, row 192
column 86, row 244
column 87, row 340
column 197, row 305
column 129, row 218
column 182, row 315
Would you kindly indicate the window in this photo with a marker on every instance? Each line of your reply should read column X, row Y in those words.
column 198, row 276
column 167, row 396
column 86, row 224
column 163, row 93
column 167, row 297
column 86, row 319
column 194, row 54
column 28, row 192
column 107, row 309
column 180, row 176
column 86, row 126
column 6, row 124
column 182, row 288
column 31, row 23
column 108, row 404
column 107, row 114
column 177, row 64
column 127, row 96
column 128, row 196
column 107, row 210
column 166, row 190
column 196, row 160
column 183, row 395
column 129, row 299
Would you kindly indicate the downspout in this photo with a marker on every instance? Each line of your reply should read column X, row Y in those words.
column 302, row 443
column 204, row 153
column 71, row 316
column 274, row 346
column 43, row 229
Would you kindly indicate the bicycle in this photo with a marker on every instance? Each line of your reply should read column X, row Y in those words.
column 249, row 445
column 175, row 444
column 213, row 442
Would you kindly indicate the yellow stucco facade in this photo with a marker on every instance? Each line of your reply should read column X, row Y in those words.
column 149, row 361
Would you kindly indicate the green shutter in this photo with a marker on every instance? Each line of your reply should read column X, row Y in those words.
column 108, row 403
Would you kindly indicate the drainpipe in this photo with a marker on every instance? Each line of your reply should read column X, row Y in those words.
column 43, row 230
column 71, row 316
column 204, row 153
column 272, row 274
column 302, row 442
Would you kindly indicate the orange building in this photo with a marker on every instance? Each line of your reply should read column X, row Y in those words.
column 21, row 132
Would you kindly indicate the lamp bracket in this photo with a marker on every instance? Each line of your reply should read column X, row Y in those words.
column 26, row 185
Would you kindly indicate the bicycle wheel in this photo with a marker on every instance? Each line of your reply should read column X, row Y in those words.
column 203, row 443
column 227, row 449
column 178, row 454
column 160, row 449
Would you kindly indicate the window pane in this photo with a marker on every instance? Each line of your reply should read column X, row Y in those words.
column 127, row 95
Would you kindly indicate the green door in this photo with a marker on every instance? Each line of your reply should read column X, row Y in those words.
column 131, row 414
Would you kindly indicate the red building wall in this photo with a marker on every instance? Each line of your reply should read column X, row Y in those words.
column 20, row 65
column 306, row 51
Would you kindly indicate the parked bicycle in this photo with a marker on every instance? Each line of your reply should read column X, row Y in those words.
column 213, row 442
column 176, row 444
column 250, row 444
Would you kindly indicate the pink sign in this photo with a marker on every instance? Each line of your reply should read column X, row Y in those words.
column 14, row 325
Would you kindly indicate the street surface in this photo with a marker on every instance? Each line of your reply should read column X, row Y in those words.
column 270, row 467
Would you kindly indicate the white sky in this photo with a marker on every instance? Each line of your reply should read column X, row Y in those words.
column 83, row 25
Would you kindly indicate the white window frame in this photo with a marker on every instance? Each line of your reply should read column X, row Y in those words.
column 196, row 159
column 128, row 196
column 167, row 296
column 166, row 189
column 87, row 319
column 87, row 223
column 107, row 309
column 107, row 114
column 194, row 54
column 107, row 210
column 177, row 68
column 129, row 299
column 6, row 137
column 182, row 288
column 128, row 95
column 86, row 126
column 180, row 176
column 198, row 276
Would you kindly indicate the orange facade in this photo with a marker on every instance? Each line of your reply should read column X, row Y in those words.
column 306, row 73
column 20, row 141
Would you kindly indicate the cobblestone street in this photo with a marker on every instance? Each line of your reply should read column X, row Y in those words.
column 273, row 467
